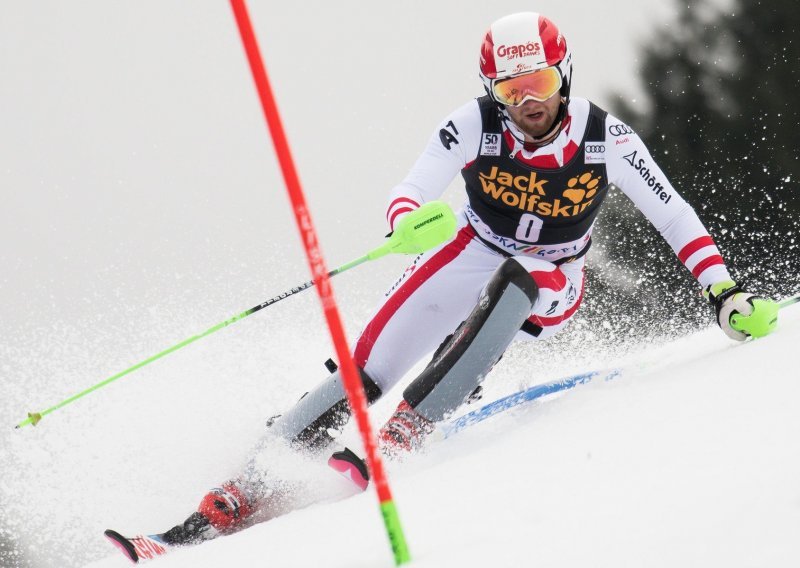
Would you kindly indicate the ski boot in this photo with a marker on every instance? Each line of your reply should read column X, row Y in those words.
column 402, row 434
column 222, row 510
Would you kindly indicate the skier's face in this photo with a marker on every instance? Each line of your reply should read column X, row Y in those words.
column 535, row 118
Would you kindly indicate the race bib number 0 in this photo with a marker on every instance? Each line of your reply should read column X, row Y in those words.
column 529, row 228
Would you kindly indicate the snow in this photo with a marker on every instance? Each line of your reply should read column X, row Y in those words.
column 689, row 458
column 142, row 205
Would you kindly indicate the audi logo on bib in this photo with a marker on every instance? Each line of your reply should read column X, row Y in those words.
column 594, row 152
column 619, row 130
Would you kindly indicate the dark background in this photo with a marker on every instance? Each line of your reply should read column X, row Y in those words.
column 723, row 88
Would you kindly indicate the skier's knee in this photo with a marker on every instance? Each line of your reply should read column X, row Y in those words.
column 511, row 273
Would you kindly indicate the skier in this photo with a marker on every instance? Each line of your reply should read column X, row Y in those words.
column 537, row 165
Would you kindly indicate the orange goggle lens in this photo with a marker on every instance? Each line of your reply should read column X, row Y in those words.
column 539, row 86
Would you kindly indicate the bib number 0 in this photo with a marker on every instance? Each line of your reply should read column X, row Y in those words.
column 529, row 228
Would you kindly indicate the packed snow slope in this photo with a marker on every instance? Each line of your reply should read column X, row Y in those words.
column 142, row 205
column 689, row 458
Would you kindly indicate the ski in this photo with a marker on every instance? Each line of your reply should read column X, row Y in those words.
column 526, row 395
column 538, row 391
column 146, row 547
column 138, row 548
column 346, row 462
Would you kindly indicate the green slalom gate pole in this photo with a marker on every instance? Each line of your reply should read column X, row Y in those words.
column 420, row 230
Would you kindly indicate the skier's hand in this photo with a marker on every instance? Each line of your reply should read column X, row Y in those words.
column 739, row 313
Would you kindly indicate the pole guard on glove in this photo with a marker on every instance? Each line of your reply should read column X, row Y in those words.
column 419, row 231
column 741, row 314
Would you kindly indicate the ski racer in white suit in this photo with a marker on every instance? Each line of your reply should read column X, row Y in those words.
column 537, row 164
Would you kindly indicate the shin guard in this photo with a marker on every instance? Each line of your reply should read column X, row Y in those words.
column 306, row 425
column 463, row 360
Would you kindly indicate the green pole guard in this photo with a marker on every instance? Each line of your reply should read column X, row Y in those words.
column 419, row 231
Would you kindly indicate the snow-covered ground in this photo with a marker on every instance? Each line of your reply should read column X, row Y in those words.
column 142, row 205
column 690, row 458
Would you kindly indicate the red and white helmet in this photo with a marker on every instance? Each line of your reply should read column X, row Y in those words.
column 523, row 43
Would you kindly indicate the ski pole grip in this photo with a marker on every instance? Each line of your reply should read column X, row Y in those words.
column 432, row 224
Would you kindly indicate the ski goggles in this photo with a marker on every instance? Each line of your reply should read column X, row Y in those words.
column 539, row 86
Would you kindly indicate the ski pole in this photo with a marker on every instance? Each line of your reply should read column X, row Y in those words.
column 789, row 301
column 422, row 229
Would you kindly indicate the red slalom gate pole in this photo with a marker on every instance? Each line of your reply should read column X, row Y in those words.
column 350, row 376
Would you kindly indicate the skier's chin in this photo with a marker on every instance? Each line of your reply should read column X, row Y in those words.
column 537, row 124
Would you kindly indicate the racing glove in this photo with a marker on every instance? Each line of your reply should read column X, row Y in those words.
column 739, row 313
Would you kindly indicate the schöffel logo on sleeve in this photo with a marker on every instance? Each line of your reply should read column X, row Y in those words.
column 594, row 152
column 655, row 186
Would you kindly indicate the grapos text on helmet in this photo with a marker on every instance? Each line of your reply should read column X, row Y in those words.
column 521, row 50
